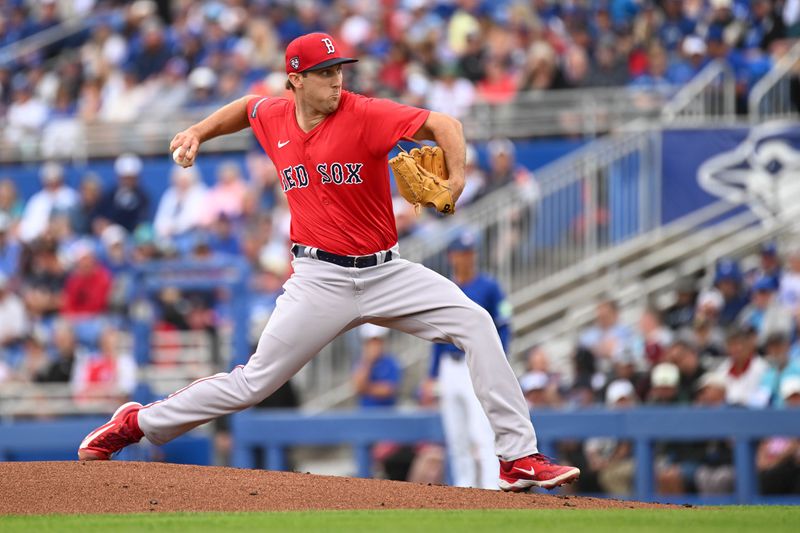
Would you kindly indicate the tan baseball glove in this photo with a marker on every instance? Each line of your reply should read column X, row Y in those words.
column 421, row 177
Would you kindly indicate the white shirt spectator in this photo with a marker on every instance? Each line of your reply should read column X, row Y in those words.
column 742, row 388
column 182, row 207
column 55, row 196
column 453, row 97
column 24, row 120
column 13, row 320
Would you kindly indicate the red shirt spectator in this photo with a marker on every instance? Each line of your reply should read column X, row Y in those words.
column 88, row 286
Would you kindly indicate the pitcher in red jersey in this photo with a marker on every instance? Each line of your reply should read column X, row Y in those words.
column 330, row 148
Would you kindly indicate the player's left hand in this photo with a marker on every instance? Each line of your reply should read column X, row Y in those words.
column 184, row 147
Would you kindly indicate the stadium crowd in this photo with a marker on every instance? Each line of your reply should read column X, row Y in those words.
column 168, row 57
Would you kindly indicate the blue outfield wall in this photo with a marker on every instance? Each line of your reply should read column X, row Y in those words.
column 271, row 432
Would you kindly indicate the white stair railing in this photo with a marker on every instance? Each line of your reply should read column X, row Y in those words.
column 777, row 94
column 709, row 95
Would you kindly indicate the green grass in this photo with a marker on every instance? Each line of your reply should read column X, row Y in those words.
column 723, row 519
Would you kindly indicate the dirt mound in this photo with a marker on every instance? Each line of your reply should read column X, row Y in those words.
column 128, row 487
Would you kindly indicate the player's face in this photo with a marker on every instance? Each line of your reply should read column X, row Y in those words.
column 323, row 89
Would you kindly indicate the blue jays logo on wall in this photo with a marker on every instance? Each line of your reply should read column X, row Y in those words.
column 762, row 171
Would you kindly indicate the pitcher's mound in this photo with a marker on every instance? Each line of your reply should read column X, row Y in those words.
column 128, row 487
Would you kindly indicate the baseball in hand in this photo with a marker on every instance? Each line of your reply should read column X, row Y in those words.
column 177, row 156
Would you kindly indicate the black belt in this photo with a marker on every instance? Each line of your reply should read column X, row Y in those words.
column 357, row 261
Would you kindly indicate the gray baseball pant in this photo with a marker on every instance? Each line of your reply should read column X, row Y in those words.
column 321, row 301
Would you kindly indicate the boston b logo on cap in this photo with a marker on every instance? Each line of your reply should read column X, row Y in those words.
column 314, row 51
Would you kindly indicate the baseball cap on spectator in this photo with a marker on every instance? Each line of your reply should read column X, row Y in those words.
column 727, row 270
column 769, row 248
column 371, row 331
column 113, row 234
column 498, row 147
column 710, row 298
column 202, row 78
column 313, row 51
column 665, row 375
column 694, row 46
column 765, row 284
column 619, row 389
column 720, row 4
column 128, row 165
column 533, row 381
column 789, row 387
column 51, row 172
column 466, row 241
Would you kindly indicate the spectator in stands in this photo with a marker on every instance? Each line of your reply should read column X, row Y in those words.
column 503, row 168
column 13, row 318
column 10, row 204
column 728, row 280
column 43, row 286
column 675, row 25
column 780, row 369
column 743, row 369
column 222, row 239
column 127, row 203
column 182, row 205
column 25, row 117
column 475, row 177
column 9, row 248
column 540, row 73
column 152, row 52
column 539, row 390
column 692, row 60
column 88, row 285
column 665, row 379
column 610, row 459
column 711, row 390
column 789, row 294
column 89, row 210
column 226, row 197
column 108, row 373
column 681, row 313
column 652, row 337
column 499, row 86
column 705, row 331
column 54, row 197
column 34, row 360
column 451, row 93
column 684, row 355
column 778, row 458
column 65, row 347
column 770, row 267
column 764, row 314
column 598, row 344
column 114, row 256
column 377, row 375
column 608, row 69
column 171, row 89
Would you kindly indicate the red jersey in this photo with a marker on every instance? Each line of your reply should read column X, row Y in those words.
column 336, row 176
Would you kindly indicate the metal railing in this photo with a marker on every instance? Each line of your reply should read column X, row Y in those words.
column 67, row 28
column 777, row 94
column 578, row 112
column 709, row 95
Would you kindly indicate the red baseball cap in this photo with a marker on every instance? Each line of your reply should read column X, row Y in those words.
column 313, row 51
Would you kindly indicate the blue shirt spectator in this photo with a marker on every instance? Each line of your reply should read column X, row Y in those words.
column 377, row 375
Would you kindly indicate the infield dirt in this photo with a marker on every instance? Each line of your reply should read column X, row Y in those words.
column 130, row 487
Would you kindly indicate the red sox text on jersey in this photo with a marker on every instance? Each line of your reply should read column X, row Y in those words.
column 336, row 176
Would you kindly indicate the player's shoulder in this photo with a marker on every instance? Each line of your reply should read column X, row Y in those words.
column 267, row 104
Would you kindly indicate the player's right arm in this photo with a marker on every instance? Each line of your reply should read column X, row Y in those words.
column 227, row 119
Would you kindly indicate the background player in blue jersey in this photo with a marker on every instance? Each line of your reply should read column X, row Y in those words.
column 470, row 440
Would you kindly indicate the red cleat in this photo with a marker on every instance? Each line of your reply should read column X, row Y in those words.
column 105, row 441
column 535, row 470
